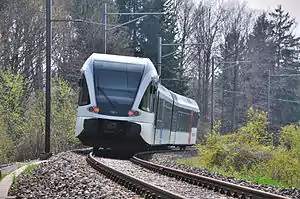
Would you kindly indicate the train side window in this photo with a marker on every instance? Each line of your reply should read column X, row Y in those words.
column 195, row 119
column 154, row 98
column 84, row 98
column 148, row 101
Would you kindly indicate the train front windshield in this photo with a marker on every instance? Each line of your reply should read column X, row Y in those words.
column 116, row 86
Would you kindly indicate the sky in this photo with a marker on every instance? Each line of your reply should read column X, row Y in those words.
column 291, row 6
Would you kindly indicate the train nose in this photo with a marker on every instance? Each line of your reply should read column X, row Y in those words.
column 111, row 134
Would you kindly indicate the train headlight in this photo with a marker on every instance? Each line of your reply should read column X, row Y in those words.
column 132, row 113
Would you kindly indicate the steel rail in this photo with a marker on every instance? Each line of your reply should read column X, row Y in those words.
column 223, row 187
column 138, row 186
column 5, row 165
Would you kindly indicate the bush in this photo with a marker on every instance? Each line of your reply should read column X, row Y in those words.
column 6, row 145
column 63, row 114
column 203, row 131
column 283, row 167
column 254, row 133
column 250, row 152
column 225, row 153
column 12, row 87
column 12, row 123
column 290, row 138
column 22, row 118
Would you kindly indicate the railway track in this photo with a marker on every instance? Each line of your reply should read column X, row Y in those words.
column 139, row 186
column 223, row 187
column 148, row 190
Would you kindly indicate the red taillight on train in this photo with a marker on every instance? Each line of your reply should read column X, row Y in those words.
column 133, row 113
column 96, row 110
column 130, row 113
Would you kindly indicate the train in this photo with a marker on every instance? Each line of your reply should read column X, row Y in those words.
column 123, row 106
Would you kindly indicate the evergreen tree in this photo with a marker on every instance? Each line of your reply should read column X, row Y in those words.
column 144, row 37
column 261, row 54
column 286, row 62
column 133, row 29
column 171, row 67
column 232, row 51
column 3, row 4
column 88, row 37
column 286, row 42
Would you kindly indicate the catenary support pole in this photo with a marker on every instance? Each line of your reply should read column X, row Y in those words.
column 212, row 95
column 159, row 57
column 105, row 27
column 269, row 96
column 48, row 74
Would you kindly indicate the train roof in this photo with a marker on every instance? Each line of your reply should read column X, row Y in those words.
column 143, row 62
column 179, row 100
column 184, row 102
column 165, row 92
column 118, row 58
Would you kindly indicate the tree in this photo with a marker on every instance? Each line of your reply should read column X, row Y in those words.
column 186, row 9
column 208, row 21
column 172, row 67
column 133, row 29
column 3, row 4
column 286, row 43
column 232, row 51
column 12, row 88
column 86, row 37
column 22, row 39
column 286, row 62
column 261, row 54
column 232, row 73
column 144, row 37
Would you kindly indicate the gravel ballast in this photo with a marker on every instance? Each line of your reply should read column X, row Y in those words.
column 171, row 184
column 168, row 160
column 67, row 175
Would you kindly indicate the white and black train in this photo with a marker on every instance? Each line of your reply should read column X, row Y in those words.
column 122, row 105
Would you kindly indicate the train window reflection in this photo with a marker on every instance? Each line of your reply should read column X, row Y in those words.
column 116, row 85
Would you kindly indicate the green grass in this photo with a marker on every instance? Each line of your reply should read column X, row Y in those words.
column 14, row 180
column 196, row 163
column 29, row 168
column 266, row 181
column 14, row 184
column 193, row 162
column 3, row 176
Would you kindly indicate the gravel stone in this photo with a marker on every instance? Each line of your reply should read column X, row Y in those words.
column 167, row 183
column 67, row 175
column 168, row 160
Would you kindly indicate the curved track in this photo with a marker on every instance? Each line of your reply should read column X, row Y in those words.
column 148, row 190
column 139, row 186
column 227, row 188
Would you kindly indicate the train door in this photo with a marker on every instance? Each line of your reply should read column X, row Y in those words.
column 175, row 120
column 173, row 125
column 159, row 125
column 157, row 119
column 162, row 120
